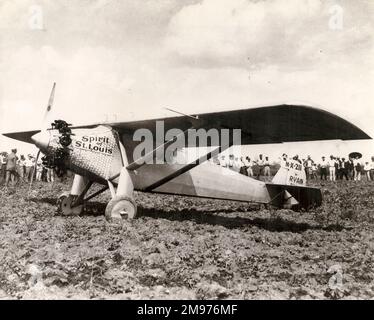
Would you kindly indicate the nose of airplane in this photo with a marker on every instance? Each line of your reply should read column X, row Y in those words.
column 41, row 139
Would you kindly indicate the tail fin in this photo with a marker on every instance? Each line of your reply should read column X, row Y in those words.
column 290, row 173
column 294, row 197
column 288, row 188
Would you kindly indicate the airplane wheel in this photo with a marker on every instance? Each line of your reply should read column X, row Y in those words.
column 64, row 203
column 120, row 207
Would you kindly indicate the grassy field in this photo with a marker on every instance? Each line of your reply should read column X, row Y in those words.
column 182, row 248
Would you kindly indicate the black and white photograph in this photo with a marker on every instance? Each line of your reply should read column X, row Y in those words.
column 205, row 150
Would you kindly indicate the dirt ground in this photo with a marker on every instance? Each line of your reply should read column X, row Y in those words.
column 187, row 248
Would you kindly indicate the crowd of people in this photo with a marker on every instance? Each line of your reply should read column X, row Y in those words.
column 339, row 168
column 246, row 165
column 18, row 169
column 328, row 168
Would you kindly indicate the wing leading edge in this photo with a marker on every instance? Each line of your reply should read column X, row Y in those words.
column 272, row 124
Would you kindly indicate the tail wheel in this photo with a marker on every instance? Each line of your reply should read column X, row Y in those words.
column 64, row 205
column 121, row 207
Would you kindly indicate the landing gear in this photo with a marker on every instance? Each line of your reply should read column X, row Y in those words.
column 121, row 207
column 65, row 205
column 71, row 203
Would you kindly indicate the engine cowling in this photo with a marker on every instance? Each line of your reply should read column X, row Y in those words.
column 92, row 152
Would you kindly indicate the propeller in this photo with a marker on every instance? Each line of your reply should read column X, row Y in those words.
column 44, row 126
column 49, row 107
column 55, row 156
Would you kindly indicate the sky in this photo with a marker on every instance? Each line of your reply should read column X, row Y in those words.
column 127, row 60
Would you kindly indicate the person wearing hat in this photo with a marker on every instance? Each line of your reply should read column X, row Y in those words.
column 222, row 161
column 356, row 169
column 296, row 158
column 11, row 167
column 324, row 166
column 308, row 167
column 332, row 169
column 29, row 164
column 344, row 165
column 267, row 171
column 314, row 171
column 231, row 163
column 338, row 168
column 283, row 160
column 350, row 168
column 21, row 167
column 243, row 167
column 260, row 163
column 39, row 170
column 249, row 165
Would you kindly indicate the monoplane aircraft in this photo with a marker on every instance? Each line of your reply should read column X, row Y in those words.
column 106, row 153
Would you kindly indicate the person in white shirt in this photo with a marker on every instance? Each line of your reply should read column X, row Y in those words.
column 260, row 163
column 314, row 171
column 29, row 164
column 331, row 164
column 222, row 161
column 367, row 170
column 237, row 164
column 324, row 166
column 39, row 171
column 21, row 166
column 231, row 164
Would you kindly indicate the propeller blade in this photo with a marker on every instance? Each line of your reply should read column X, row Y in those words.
column 49, row 107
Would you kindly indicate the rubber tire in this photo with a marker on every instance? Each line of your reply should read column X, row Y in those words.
column 64, row 205
column 118, row 204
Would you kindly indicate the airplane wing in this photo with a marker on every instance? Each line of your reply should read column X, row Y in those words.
column 272, row 124
column 24, row 136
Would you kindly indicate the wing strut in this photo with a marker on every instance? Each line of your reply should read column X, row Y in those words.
column 184, row 169
column 153, row 154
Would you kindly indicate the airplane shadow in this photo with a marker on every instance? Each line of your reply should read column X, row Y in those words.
column 51, row 201
column 274, row 224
